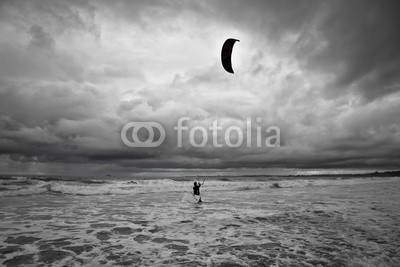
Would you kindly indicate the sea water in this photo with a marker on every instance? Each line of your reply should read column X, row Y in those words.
column 59, row 221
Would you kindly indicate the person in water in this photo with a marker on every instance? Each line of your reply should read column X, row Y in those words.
column 196, row 189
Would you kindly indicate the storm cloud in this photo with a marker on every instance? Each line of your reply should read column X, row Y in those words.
column 73, row 73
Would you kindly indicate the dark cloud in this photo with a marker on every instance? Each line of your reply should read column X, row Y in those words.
column 40, row 38
column 361, row 46
column 355, row 42
column 59, row 17
column 72, row 73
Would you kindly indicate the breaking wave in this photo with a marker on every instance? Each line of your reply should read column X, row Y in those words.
column 22, row 186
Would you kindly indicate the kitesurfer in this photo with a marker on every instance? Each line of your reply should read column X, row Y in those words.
column 196, row 189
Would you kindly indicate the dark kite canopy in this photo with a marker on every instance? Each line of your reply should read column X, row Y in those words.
column 226, row 54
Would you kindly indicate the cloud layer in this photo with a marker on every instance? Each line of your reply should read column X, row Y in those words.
column 72, row 73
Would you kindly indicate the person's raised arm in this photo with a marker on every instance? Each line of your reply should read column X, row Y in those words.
column 203, row 182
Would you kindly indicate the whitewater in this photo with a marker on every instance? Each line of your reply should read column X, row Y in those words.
column 244, row 221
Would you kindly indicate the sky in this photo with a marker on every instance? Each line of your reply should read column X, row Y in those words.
column 73, row 73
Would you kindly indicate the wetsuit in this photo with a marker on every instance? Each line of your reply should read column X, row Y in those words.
column 196, row 190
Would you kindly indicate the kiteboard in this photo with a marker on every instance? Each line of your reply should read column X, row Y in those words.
column 190, row 198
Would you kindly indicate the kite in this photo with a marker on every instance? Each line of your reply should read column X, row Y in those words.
column 226, row 54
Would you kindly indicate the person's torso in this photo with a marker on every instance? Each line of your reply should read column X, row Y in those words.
column 196, row 190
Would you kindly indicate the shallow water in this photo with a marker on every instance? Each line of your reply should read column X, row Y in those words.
column 325, row 224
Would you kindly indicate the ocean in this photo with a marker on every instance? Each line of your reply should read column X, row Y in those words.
column 243, row 221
